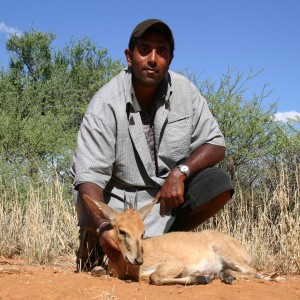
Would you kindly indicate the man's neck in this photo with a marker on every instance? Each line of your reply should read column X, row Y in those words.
column 144, row 95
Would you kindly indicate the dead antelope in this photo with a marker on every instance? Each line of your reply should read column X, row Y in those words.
column 172, row 258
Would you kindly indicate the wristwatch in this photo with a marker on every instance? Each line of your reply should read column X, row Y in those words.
column 184, row 169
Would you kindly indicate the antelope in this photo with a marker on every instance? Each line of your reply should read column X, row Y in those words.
column 173, row 258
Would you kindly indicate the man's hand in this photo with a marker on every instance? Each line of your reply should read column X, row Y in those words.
column 171, row 193
column 95, row 220
column 109, row 246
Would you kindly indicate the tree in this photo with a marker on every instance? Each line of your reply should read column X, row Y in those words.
column 31, row 53
column 43, row 95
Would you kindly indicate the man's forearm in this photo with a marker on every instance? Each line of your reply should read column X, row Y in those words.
column 96, row 193
column 205, row 156
column 92, row 190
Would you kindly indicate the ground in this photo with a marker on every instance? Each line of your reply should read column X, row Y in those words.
column 19, row 280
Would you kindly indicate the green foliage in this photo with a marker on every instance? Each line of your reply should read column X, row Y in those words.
column 31, row 53
column 43, row 96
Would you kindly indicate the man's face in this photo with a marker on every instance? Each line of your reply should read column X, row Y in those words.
column 150, row 59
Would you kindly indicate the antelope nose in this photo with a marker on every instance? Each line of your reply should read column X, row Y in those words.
column 138, row 261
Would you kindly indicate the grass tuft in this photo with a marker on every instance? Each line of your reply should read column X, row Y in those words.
column 40, row 228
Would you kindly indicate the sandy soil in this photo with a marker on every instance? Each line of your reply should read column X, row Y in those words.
column 21, row 281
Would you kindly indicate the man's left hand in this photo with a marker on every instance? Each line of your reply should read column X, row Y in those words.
column 171, row 194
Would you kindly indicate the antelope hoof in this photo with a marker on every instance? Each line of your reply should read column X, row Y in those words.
column 98, row 271
column 228, row 279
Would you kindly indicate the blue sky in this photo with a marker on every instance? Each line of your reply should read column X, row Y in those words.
column 210, row 35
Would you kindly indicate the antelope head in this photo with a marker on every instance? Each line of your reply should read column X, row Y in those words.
column 127, row 228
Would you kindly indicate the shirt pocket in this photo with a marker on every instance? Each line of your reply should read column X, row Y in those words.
column 175, row 143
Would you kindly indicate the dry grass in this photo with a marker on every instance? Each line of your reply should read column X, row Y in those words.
column 43, row 227
column 266, row 224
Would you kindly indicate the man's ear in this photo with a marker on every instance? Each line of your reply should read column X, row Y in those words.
column 128, row 55
column 171, row 58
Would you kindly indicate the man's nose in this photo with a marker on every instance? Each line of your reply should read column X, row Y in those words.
column 152, row 57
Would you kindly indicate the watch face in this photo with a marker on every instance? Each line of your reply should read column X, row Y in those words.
column 184, row 169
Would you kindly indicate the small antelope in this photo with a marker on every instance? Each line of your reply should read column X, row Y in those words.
column 172, row 258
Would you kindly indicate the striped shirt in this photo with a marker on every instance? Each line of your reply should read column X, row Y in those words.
column 147, row 118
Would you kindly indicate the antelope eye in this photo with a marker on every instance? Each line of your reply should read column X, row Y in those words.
column 143, row 235
column 122, row 232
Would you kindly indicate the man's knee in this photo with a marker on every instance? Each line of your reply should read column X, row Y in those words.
column 207, row 185
column 189, row 218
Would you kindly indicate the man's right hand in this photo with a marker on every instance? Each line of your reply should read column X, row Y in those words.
column 109, row 246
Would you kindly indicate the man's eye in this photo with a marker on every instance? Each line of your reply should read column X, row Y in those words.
column 162, row 52
column 144, row 50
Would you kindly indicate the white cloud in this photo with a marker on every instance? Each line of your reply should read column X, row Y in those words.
column 284, row 116
column 8, row 30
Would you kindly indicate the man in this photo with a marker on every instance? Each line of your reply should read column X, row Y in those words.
column 147, row 134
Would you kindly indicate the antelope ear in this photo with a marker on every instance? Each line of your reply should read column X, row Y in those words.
column 145, row 210
column 100, row 209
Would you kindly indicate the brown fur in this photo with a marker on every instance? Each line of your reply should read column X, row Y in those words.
column 172, row 258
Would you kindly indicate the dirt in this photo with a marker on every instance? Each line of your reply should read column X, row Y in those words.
column 19, row 280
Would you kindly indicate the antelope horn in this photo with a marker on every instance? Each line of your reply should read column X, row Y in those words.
column 135, row 205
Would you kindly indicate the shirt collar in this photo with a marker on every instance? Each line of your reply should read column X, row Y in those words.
column 163, row 93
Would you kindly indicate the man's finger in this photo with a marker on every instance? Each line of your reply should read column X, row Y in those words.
column 162, row 207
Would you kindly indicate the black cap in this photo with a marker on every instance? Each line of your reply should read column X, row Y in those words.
column 142, row 27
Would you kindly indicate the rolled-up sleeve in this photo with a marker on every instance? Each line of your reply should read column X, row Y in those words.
column 205, row 126
column 95, row 153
